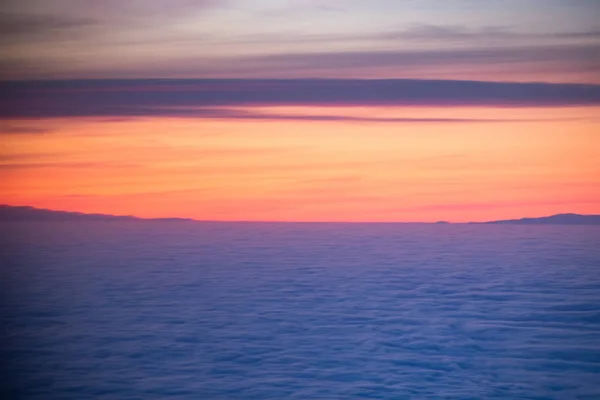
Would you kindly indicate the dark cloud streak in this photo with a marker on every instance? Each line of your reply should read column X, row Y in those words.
column 163, row 97
column 583, row 54
column 532, row 59
column 229, row 114
column 14, row 25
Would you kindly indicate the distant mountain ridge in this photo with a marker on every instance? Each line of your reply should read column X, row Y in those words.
column 557, row 219
column 26, row 213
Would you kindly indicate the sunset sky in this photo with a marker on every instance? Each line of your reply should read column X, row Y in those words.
column 380, row 110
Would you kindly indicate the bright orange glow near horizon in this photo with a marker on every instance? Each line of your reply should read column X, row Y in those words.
column 297, row 110
column 496, row 163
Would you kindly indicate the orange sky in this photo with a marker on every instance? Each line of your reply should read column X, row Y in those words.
column 302, row 110
column 516, row 162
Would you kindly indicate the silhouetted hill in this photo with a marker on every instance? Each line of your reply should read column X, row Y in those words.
column 558, row 219
column 25, row 213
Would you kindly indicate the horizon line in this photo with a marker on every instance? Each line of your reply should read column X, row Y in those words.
column 189, row 219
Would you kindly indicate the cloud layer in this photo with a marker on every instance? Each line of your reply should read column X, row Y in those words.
column 433, row 39
column 206, row 97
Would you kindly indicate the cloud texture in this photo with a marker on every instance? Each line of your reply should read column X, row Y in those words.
column 195, row 97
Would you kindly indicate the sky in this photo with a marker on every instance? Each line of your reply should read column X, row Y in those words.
column 305, row 110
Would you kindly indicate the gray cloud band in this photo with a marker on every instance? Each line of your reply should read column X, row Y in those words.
column 204, row 97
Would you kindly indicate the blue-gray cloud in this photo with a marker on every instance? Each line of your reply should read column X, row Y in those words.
column 466, row 34
column 192, row 97
column 546, row 60
column 585, row 55
column 14, row 25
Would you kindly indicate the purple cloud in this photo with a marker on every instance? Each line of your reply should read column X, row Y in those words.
column 164, row 97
